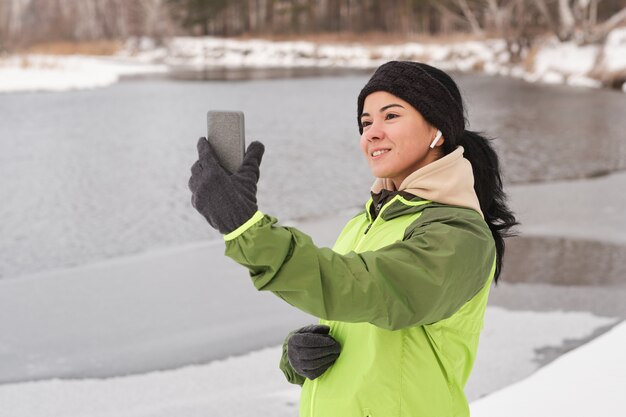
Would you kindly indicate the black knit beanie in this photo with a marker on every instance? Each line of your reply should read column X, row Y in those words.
column 429, row 90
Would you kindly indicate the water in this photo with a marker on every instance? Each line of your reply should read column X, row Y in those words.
column 96, row 174
column 550, row 132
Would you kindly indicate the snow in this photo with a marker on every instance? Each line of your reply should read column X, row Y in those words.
column 57, row 73
column 237, row 385
column 232, row 387
column 588, row 381
column 615, row 50
column 565, row 58
column 554, row 62
column 552, row 77
column 583, row 81
column 505, row 357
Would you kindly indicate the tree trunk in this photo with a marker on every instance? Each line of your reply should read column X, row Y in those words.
column 470, row 16
column 269, row 15
column 545, row 12
column 567, row 21
column 333, row 15
column 593, row 13
column 601, row 31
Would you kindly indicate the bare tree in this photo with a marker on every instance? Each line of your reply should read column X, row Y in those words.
column 598, row 32
column 470, row 16
column 518, row 21
column 13, row 14
column 579, row 19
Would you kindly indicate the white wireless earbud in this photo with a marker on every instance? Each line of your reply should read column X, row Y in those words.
column 437, row 137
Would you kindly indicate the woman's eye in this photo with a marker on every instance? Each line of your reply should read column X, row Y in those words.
column 365, row 123
column 391, row 116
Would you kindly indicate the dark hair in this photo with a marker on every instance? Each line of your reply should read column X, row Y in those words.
column 436, row 96
column 486, row 168
column 488, row 187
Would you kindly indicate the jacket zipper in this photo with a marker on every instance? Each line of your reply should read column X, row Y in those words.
column 377, row 209
column 378, row 206
column 369, row 226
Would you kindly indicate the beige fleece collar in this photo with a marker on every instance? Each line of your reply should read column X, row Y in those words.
column 448, row 180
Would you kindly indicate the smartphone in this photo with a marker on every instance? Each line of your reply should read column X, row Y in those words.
column 225, row 133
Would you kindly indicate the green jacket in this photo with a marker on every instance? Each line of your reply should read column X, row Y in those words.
column 404, row 294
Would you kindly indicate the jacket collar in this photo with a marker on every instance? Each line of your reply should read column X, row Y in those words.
column 390, row 204
column 448, row 180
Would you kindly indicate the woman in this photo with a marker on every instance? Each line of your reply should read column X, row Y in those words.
column 403, row 292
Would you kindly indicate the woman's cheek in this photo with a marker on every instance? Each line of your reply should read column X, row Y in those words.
column 363, row 145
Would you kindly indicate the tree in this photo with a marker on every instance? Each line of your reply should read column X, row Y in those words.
column 192, row 14
column 578, row 19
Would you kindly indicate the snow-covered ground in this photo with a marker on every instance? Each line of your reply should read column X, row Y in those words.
column 75, row 72
column 554, row 62
column 584, row 382
column 588, row 381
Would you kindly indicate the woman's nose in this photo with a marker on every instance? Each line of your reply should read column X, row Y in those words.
column 374, row 132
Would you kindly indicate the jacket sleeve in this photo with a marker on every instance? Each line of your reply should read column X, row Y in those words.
column 422, row 279
column 292, row 376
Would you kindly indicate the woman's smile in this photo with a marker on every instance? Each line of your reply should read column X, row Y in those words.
column 378, row 153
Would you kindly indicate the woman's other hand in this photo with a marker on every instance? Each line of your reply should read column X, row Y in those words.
column 226, row 201
column 311, row 350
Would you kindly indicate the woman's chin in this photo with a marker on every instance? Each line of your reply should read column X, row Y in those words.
column 382, row 173
column 378, row 171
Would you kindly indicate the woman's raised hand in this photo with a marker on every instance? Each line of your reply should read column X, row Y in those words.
column 225, row 200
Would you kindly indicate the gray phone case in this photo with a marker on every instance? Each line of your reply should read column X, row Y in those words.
column 225, row 133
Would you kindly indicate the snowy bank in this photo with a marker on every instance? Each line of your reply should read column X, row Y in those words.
column 586, row 66
column 238, row 386
column 553, row 62
column 60, row 73
column 588, row 381
column 200, row 53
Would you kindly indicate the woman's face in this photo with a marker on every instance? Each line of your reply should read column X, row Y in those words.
column 396, row 138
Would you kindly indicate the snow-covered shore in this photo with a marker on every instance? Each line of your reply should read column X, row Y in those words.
column 553, row 62
column 73, row 72
column 584, row 382
column 588, row 381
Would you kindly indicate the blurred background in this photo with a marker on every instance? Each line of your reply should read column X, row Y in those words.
column 106, row 270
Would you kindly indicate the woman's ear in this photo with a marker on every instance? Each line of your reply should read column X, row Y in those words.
column 437, row 137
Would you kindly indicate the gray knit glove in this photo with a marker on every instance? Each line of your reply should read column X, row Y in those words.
column 226, row 200
column 311, row 350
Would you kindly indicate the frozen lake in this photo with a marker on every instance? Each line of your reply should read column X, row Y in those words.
column 92, row 175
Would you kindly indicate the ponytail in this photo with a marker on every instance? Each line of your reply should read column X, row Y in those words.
column 488, row 187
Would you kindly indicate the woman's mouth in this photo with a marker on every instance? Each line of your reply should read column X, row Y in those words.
column 379, row 152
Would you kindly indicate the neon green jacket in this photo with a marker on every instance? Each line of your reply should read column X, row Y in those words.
column 404, row 294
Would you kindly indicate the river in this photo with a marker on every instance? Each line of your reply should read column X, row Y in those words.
column 96, row 174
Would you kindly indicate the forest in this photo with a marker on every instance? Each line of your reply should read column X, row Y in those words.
column 27, row 22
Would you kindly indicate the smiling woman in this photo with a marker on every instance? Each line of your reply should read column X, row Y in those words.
column 401, row 296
